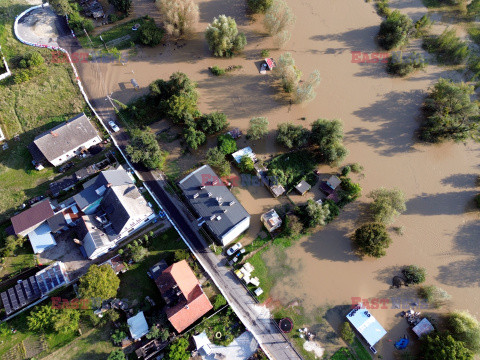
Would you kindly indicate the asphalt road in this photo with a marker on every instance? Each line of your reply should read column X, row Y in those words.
column 262, row 326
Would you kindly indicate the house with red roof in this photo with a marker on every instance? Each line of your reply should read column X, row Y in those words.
column 185, row 299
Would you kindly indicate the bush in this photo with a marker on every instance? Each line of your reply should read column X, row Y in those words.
column 227, row 144
column 178, row 350
column 447, row 47
column 356, row 168
column 399, row 66
column 112, row 18
column 444, row 347
column 414, row 274
column 433, row 295
column 464, row 327
column 150, row 34
column 346, row 170
column 349, row 191
column 118, row 336
column 116, row 355
column 180, row 255
column 265, row 54
column 292, row 136
column 422, row 25
column 216, row 159
column 305, row 91
column 223, row 37
column 258, row 6
column 212, row 123
column 21, row 76
column 394, row 30
column 121, row 5
column 287, row 72
column 347, row 333
column 316, row 214
column 328, row 137
column 449, row 113
column 278, row 18
column 387, row 204
column 139, row 253
column 217, row 71
column 144, row 149
column 372, row 239
column 219, row 302
column 293, row 226
column 383, row 8
column 258, row 128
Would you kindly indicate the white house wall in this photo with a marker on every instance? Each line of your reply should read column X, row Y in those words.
column 68, row 155
column 236, row 231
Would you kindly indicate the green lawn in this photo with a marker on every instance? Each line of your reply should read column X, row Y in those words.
column 27, row 109
column 360, row 351
column 117, row 32
column 343, row 354
column 261, row 271
column 135, row 284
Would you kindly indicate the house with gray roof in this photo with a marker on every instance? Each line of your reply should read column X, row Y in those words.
column 64, row 141
column 217, row 208
column 113, row 208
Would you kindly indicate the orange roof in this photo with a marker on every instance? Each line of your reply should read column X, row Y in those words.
column 195, row 304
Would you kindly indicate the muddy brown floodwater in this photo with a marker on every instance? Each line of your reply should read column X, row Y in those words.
column 380, row 116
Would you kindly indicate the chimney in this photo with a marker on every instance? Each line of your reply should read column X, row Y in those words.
column 212, row 217
column 224, row 211
column 186, row 307
column 210, row 194
column 195, row 195
column 231, row 203
column 219, row 218
column 202, row 187
column 109, row 185
column 53, row 133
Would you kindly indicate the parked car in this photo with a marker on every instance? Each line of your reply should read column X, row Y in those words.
column 234, row 249
column 114, row 126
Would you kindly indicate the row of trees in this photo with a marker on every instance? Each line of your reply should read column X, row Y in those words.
column 325, row 137
column 289, row 76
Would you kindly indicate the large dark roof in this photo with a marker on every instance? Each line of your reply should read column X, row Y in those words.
column 62, row 184
column 37, row 214
column 206, row 203
column 65, row 137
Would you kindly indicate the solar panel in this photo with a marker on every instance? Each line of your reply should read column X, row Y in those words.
column 61, row 279
column 42, row 286
column 55, row 281
column 48, row 283
column 20, row 295
column 13, row 298
column 6, row 303
column 34, row 284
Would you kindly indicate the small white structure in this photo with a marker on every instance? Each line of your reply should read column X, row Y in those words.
column 424, row 327
column 203, row 344
column 237, row 155
column 366, row 325
column 271, row 220
column 138, row 326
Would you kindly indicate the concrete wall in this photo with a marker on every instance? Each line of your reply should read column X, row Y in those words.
column 68, row 155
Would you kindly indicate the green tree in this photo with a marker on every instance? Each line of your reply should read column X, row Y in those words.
column 246, row 164
column 444, row 347
column 193, row 137
column 12, row 243
column 164, row 334
column 149, row 34
column 178, row 350
column 305, row 92
column 293, row 226
column 66, row 320
column 328, row 137
column 349, row 191
column 179, row 17
column 41, row 319
column 181, row 107
column 144, row 149
column 219, row 302
column 435, row 296
column 121, row 5
column 449, row 113
column 372, row 239
column 212, row 123
column 116, row 355
column 414, row 274
column 387, row 204
column 394, row 30
column 223, row 37
column 347, row 333
column 287, row 72
column 118, row 336
column 32, row 59
column 180, row 255
column 61, row 7
column 227, row 144
column 473, row 8
column 139, row 253
column 216, row 159
column 317, row 213
column 258, row 128
column 278, row 18
column 154, row 332
column 258, row 6
column 292, row 136
column 99, row 282
column 465, row 327
column 448, row 48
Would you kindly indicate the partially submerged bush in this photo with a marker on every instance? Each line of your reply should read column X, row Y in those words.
column 372, row 239
column 448, row 48
column 394, row 30
column 217, row 71
column 433, row 295
column 414, row 274
column 400, row 66
column 223, row 37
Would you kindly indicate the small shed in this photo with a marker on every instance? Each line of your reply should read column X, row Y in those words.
column 138, row 326
column 302, row 187
column 237, row 155
column 333, row 182
column 424, row 327
column 202, row 344
column 366, row 325
column 271, row 220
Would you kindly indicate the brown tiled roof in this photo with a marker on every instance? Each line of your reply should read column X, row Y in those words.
column 37, row 214
column 194, row 303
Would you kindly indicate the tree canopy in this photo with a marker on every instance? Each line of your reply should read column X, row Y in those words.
column 465, row 327
column 216, row 159
column 394, row 30
column 179, row 16
column 246, row 164
column 327, row 135
column 121, row 5
column 387, row 204
column 150, row 34
column 372, row 239
column 46, row 318
column 317, row 213
column 212, row 123
column 287, row 72
column 258, row 128
column 227, row 144
column 414, row 274
column 292, row 136
column 116, row 355
column 444, row 347
column 99, row 282
column 178, row 350
column 144, row 149
column 193, row 137
column 259, row 6
column 223, row 37
column 449, row 113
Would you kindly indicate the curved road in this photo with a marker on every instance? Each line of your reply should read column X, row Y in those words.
column 262, row 326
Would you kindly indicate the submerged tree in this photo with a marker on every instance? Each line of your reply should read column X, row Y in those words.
column 305, row 92
column 179, row 16
column 287, row 72
column 387, row 204
column 144, row 149
column 372, row 239
column 223, row 37
column 292, row 136
column 327, row 135
column 278, row 17
column 394, row 30
column 258, row 128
